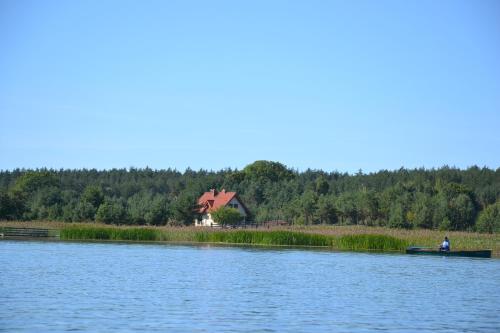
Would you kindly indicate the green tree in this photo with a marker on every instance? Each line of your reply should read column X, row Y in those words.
column 7, row 207
column 461, row 212
column 489, row 219
column 423, row 209
column 184, row 209
column 84, row 211
column 440, row 213
column 33, row 180
column 326, row 211
column 226, row 216
column 112, row 211
column 27, row 192
column 263, row 214
column 308, row 202
column 322, row 186
column 347, row 207
column 267, row 170
column 93, row 195
column 367, row 204
column 157, row 213
column 397, row 217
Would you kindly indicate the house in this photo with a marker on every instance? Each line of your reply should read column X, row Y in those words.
column 212, row 200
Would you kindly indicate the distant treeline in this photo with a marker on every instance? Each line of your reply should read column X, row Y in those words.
column 445, row 198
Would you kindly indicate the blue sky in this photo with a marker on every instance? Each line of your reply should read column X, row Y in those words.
column 333, row 85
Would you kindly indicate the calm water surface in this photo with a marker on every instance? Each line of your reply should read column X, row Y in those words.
column 56, row 286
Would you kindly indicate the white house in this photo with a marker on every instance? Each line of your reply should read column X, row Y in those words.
column 212, row 200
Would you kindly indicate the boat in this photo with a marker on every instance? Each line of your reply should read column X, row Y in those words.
column 463, row 253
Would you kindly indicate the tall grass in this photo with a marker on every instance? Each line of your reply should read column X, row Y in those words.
column 99, row 233
column 371, row 242
column 249, row 237
column 460, row 240
column 419, row 237
column 288, row 238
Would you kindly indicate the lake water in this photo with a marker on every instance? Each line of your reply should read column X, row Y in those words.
column 58, row 286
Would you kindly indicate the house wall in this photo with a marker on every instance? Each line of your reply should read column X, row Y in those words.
column 206, row 221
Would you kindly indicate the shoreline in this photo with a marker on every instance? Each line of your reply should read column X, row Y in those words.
column 213, row 244
column 203, row 244
column 332, row 238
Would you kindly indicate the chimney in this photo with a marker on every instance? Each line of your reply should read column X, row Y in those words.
column 213, row 191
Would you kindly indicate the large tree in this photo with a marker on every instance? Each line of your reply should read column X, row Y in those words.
column 489, row 219
column 184, row 209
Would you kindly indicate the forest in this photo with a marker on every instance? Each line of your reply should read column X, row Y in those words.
column 447, row 198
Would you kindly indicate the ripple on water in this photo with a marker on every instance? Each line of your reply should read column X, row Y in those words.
column 132, row 287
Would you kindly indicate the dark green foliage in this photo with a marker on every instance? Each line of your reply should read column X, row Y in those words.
column 489, row 219
column 445, row 224
column 83, row 211
column 326, row 211
column 93, row 195
column 446, row 198
column 422, row 210
column 462, row 212
column 397, row 217
column 183, row 209
column 307, row 206
column 31, row 181
column 111, row 211
column 146, row 208
column 7, row 207
column 322, row 185
column 226, row 216
column 348, row 207
column 267, row 171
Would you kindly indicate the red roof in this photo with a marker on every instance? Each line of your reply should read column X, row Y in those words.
column 212, row 200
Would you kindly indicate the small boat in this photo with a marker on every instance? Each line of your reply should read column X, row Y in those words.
column 434, row 252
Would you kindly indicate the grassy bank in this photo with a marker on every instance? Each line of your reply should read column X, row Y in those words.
column 460, row 240
column 337, row 237
column 248, row 237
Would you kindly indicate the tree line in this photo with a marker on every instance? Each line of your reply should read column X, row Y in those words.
column 446, row 198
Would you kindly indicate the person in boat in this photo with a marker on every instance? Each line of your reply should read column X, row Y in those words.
column 445, row 246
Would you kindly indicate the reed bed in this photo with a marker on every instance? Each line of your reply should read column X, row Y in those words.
column 271, row 238
column 283, row 235
column 460, row 240
column 247, row 237
column 193, row 235
column 363, row 242
column 99, row 233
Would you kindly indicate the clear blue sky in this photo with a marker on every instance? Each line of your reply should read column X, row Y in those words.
column 336, row 85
